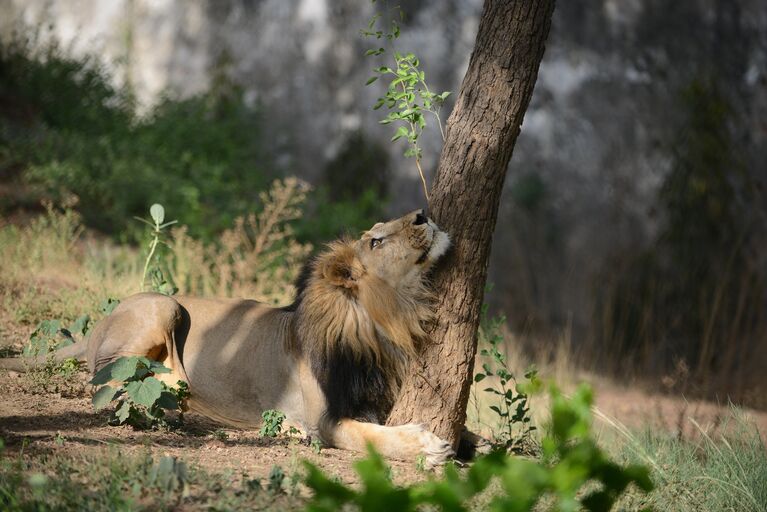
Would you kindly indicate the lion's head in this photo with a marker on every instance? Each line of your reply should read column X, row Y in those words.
column 368, row 295
column 395, row 253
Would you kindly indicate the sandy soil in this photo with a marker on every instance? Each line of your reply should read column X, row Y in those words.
column 39, row 418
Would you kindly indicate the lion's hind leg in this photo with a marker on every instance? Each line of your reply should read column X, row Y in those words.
column 404, row 442
column 142, row 325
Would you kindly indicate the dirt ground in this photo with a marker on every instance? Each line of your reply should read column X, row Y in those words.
column 48, row 423
column 65, row 423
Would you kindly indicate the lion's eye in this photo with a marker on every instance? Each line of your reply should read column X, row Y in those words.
column 375, row 242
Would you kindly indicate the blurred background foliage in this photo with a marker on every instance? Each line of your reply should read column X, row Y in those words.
column 695, row 294
column 66, row 132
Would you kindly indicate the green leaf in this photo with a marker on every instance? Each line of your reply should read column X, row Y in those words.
column 401, row 132
column 167, row 401
column 80, row 327
column 104, row 397
column 123, row 412
column 371, row 80
column 104, row 375
column 144, row 392
column 478, row 377
column 330, row 494
column 154, row 366
column 124, row 368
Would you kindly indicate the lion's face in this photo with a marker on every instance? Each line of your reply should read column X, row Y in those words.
column 401, row 250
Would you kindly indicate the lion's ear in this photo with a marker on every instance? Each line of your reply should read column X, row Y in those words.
column 340, row 268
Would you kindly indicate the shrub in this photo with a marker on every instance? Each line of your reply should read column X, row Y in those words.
column 510, row 398
column 142, row 398
column 72, row 132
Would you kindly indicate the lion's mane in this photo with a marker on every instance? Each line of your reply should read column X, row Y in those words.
column 357, row 332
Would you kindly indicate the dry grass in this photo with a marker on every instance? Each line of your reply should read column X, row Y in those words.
column 257, row 258
column 54, row 269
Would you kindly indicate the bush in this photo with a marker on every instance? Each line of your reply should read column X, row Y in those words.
column 71, row 132
column 143, row 399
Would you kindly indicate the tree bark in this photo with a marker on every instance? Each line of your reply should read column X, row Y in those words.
column 481, row 133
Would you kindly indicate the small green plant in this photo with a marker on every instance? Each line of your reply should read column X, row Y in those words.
column 316, row 445
column 574, row 473
column 272, row 424
column 152, row 266
column 512, row 398
column 49, row 336
column 142, row 398
column 407, row 96
column 220, row 434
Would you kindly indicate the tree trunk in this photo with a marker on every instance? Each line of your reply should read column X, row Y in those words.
column 481, row 133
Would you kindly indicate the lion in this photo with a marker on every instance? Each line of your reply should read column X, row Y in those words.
column 332, row 361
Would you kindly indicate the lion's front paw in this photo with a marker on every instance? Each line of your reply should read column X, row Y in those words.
column 436, row 451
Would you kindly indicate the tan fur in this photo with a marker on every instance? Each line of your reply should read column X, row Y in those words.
column 241, row 357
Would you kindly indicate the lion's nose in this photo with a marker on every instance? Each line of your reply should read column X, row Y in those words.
column 420, row 218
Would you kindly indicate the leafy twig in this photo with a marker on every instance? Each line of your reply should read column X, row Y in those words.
column 408, row 96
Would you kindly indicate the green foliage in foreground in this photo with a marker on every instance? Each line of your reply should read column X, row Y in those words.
column 574, row 472
column 142, row 398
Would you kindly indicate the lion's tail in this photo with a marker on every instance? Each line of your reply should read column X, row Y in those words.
column 24, row 364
